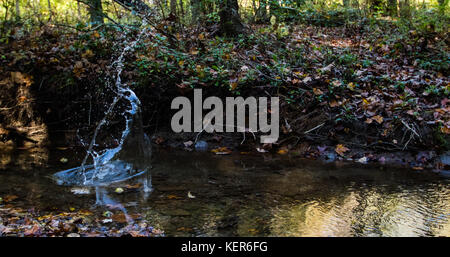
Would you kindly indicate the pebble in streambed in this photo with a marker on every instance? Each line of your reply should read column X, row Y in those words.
column 201, row 146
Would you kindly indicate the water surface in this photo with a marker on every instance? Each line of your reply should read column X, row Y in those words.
column 201, row 194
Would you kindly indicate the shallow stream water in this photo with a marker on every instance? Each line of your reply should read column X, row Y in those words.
column 202, row 194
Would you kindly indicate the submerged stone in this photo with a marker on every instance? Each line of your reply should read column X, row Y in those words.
column 201, row 146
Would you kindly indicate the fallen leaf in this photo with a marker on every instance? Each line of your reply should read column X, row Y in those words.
column 33, row 231
column 282, row 151
column 317, row 91
column 378, row 119
column 122, row 218
column 135, row 186
column 10, row 198
column 333, row 104
column 22, row 99
column 190, row 195
column 172, row 197
column 445, row 129
column 159, row 140
column 351, row 86
column 307, row 79
column 221, row 151
column 341, row 149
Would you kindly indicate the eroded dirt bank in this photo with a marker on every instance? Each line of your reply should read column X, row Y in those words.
column 345, row 93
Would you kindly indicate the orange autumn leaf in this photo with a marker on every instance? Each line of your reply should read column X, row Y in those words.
column 378, row 119
column 10, row 198
column 121, row 218
column 282, row 151
column 135, row 186
column 22, row 99
column 317, row 91
column 445, row 130
column 233, row 85
column 341, row 149
column 221, row 151
column 333, row 104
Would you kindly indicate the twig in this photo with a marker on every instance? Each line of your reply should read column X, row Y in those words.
column 408, row 127
column 316, row 127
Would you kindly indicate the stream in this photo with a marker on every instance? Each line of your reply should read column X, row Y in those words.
column 202, row 194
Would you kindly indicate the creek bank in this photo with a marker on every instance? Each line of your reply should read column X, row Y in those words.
column 344, row 94
column 227, row 144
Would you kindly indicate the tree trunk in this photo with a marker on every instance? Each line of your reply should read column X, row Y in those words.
column 230, row 21
column 195, row 10
column 181, row 8
column 173, row 7
column 392, row 8
column 18, row 10
column 262, row 11
column 274, row 8
column 405, row 8
column 138, row 6
column 376, row 5
column 346, row 3
column 96, row 11
column 78, row 10
column 50, row 12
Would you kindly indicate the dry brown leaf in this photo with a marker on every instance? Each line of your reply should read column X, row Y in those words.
column 378, row 119
column 317, row 91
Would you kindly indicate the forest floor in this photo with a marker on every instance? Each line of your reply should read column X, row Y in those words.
column 365, row 93
column 82, row 223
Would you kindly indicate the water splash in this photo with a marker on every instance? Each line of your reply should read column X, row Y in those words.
column 106, row 168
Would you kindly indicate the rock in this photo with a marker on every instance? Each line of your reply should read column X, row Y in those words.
column 363, row 160
column 80, row 190
column 445, row 159
column 73, row 235
column 329, row 156
column 425, row 156
column 201, row 146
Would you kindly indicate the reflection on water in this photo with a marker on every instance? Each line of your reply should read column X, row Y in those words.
column 252, row 196
column 24, row 160
column 367, row 211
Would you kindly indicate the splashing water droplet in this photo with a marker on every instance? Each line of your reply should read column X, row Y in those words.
column 105, row 169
